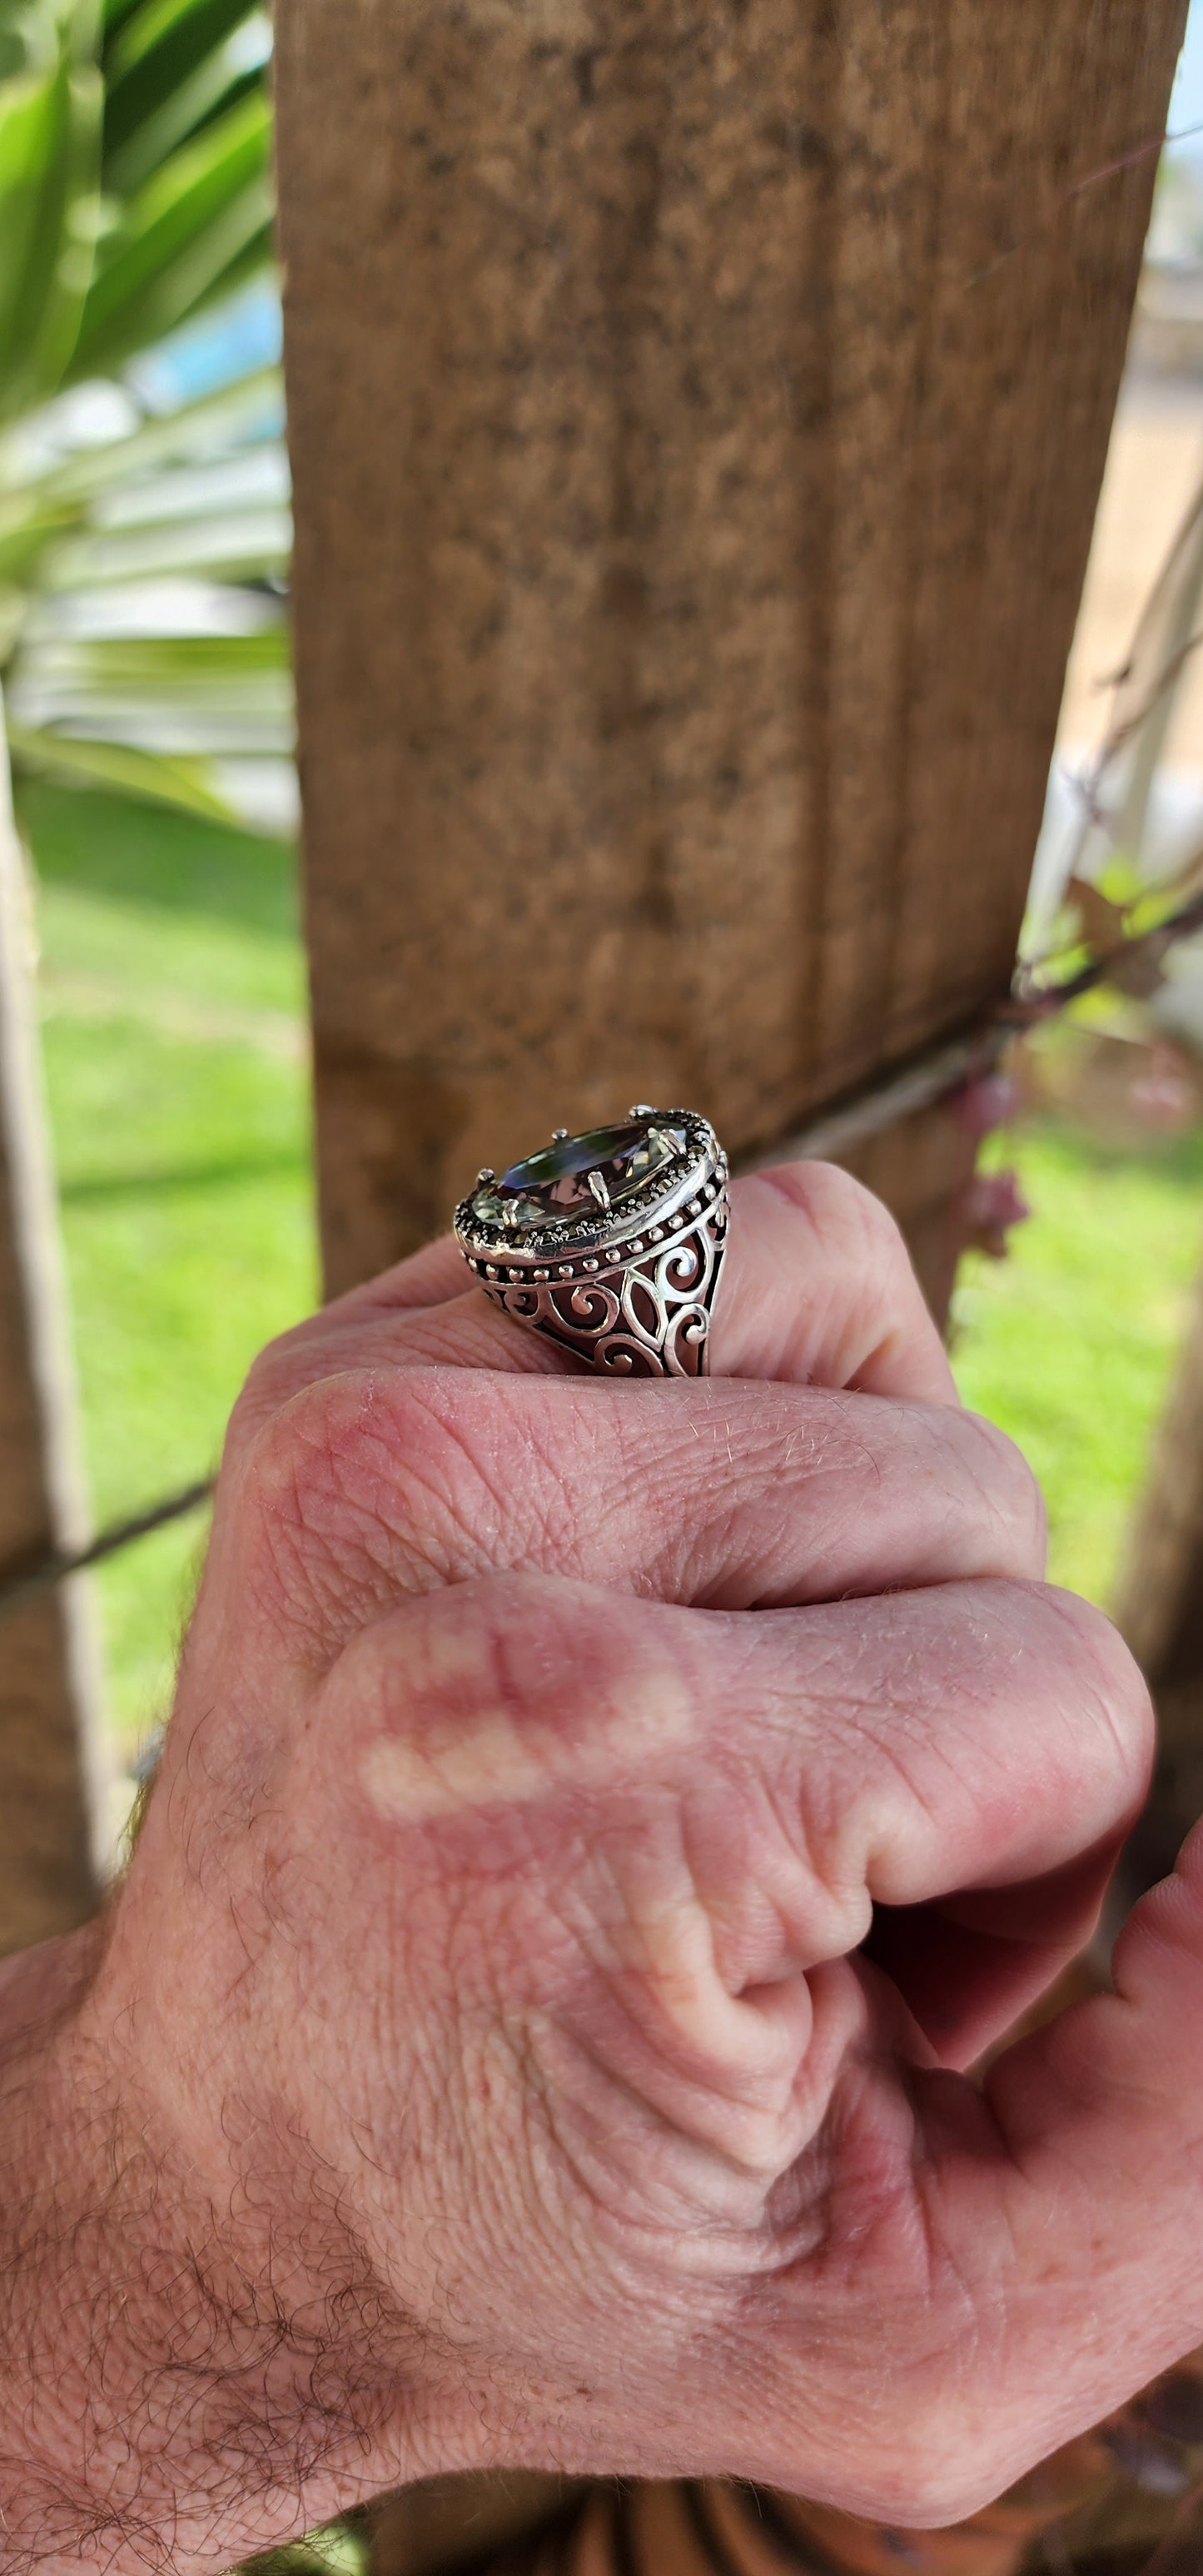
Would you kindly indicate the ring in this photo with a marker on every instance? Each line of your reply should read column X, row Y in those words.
column 610, row 1242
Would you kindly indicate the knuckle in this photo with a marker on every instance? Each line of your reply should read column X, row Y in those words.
column 552, row 1644
column 929, row 2493
column 840, row 1209
column 298, row 1446
column 365, row 1484
column 518, row 1686
column 300, row 1482
column 1107, row 1686
column 949, row 2466
column 365, row 1431
column 1007, row 1484
column 938, row 2467
column 269, row 1381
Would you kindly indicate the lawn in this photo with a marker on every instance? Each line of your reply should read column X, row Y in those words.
column 174, row 1036
column 173, row 1020
column 1069, row 1343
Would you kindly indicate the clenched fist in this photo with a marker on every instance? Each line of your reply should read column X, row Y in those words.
column 598, row 1827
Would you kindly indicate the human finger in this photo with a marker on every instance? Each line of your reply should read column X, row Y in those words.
column 383, row 1482
column 1072, row 2197
column 979, row 1807
column 820, row 1290
column 817, row 1288
column 979, row 1739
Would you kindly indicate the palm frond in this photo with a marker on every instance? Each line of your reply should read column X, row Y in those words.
column 51, row 212
column 152, row 617
column 180, row 242
column 143, row 550
column 181, row 783
column 168, row 66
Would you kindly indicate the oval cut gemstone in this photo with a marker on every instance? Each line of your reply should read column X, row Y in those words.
column 580, row 1175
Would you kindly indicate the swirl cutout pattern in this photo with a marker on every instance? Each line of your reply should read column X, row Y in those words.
column 647, row 1316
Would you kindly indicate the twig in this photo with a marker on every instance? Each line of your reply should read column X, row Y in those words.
column 1034, row 1001
column 944, row 1068
column 26, row 1582
column 934, row 1075
column 864, row 1113
column 1113, row 169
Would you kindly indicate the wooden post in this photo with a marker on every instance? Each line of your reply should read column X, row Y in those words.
column 53, row 1819
column 697, row 415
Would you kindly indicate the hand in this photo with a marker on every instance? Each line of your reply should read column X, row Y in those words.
column 529, row 2031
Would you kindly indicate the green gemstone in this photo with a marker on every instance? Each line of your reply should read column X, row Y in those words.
column 580, row 1175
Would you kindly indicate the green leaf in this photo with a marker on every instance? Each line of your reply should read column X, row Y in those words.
column 181, row 783
column 256, row 255
column 341, row 2549
column 152, row 62
column 159, row 663
column 233, row 68
column 49, row 217
column 213, row 421
column 29, row 38
column 175, row 35
column 216, row 695
column 255, row 479
column 234, row 545
column 179, row 240
column 108, row 241
column 25, row 541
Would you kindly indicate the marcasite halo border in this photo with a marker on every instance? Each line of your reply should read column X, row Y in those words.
column 663, row 1215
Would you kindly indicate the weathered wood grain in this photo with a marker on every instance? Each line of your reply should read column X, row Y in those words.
column 697, row 416
column 52, row 1796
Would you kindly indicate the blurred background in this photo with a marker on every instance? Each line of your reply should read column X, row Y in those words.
column 144, row 554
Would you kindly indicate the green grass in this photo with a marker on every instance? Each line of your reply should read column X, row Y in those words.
column 172, row 984
column 1068, row 1344
column 168, row 907
column 173, row 1021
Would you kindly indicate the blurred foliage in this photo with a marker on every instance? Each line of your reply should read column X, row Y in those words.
column 143, row 546
column 1069, row 1342
column 134, row 178
column 341, row 2549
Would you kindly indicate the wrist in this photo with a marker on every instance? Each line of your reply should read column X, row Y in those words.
column 56, row 2209
column 174, row 2393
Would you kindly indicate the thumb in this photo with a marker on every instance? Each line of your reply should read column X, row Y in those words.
column 1101, row 2187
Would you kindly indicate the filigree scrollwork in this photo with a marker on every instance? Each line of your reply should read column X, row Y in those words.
column 648, row 1316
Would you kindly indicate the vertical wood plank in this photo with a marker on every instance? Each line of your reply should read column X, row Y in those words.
column 884, row 240
column 1049, row 111
column 53, row 1816
column 697, row 417
column 920, row 1167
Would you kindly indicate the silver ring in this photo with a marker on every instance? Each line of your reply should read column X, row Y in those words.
column 610, row 1242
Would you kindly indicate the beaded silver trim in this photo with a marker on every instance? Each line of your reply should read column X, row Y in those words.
column 638, row 1304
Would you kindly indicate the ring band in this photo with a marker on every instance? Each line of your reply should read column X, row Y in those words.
column 610, row 1242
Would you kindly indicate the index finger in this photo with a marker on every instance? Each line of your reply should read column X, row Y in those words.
column 817, row 1289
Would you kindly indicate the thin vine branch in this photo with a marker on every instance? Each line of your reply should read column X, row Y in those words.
column 28, row 1580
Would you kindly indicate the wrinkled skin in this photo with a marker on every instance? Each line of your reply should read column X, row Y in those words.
column 598, row 1825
